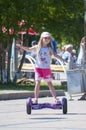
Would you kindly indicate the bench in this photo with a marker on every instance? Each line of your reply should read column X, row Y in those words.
column 57, row 70
column 54, row 68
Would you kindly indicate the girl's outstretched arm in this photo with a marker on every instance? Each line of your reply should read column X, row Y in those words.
column 57, row 56
column 26, row 48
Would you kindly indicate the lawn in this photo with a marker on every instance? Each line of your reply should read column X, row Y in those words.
column 29, row 87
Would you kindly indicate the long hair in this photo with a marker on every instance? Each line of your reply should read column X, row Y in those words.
column 40, row 45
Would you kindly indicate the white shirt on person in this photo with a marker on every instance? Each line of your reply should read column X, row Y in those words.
column 43, row 59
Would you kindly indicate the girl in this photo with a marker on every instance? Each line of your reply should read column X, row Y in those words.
column 42, row 65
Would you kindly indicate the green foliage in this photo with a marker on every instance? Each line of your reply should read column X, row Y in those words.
column 29, row 87
column 63, row 18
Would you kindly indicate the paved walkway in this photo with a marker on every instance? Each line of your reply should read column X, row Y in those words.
column 13, row 116
column 14, row 94
column 8, row 94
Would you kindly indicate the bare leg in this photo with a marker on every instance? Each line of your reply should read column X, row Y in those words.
column 52, row 90
column 36, row 93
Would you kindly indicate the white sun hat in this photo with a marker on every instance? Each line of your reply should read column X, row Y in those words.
column 45, row 34
column 68, row 46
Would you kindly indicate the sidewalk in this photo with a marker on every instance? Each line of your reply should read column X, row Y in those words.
column 14, row 94
column 13, row 116
column 9, row 95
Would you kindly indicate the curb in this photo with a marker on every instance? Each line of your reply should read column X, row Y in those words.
column 23, row 95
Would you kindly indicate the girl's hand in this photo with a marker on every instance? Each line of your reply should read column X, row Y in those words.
column 18, row 45
column 65, row 63
column 82, row 43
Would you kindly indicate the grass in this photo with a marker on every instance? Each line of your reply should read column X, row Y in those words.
column 29, row 87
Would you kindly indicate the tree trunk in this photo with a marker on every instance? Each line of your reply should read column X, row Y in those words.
column 22, row 60
column 9, row 42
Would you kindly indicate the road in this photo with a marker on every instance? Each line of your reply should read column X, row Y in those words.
column 13, row 116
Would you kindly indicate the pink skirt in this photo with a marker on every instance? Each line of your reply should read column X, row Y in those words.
column 44, row 74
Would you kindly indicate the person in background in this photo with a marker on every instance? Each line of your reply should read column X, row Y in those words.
column 54, row 44
column 34, row 42
column 74, row 54
column 42, row 66
column 67, row 56
column 61, row 52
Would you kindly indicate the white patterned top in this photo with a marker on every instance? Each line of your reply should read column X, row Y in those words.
column 43, row 59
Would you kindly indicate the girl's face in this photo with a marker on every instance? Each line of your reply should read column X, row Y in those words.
column 46, row 40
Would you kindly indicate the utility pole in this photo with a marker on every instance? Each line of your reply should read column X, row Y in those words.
column 85, row 17
column 85, row 27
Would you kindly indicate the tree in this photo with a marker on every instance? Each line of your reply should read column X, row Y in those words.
column 64, row 19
